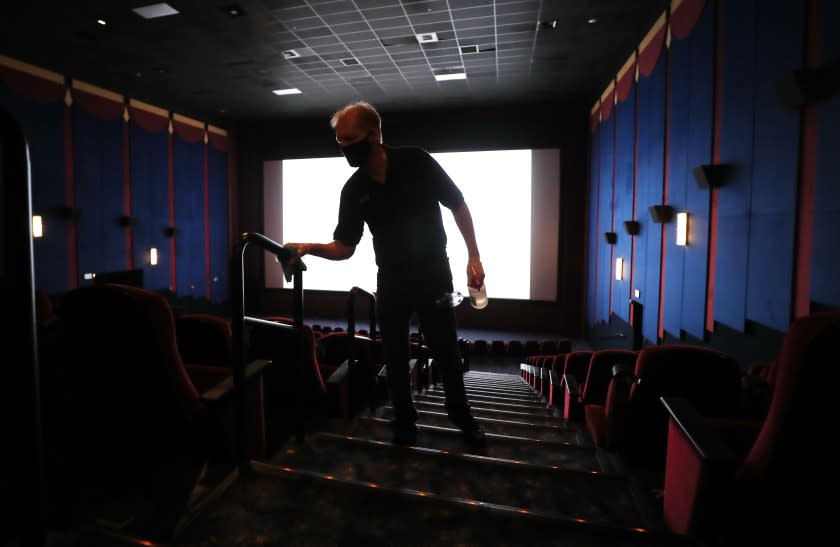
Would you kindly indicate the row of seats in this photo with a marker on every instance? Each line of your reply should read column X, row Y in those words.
column 519, row 348
column 126, row 418
column 139, row 400
column 615, row 392
column 480, row 346
column 735, row 468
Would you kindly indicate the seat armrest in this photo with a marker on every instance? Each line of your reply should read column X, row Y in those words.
column 572, row 386
column 706, row 441
column 340, row 373
column 572, row 409
column 699, row 467
column 556, row 378
column 225, row 386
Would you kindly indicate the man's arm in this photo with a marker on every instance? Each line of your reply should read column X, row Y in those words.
column 335, row 250
column 475, row 270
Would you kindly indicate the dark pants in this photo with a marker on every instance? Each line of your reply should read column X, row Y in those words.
column 398, row 298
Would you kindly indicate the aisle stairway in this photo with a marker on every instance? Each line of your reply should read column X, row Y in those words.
column 539, row 482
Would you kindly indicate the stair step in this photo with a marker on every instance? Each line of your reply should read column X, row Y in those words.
column 498, row 384
column 491, row 395
column 563, row 455
column 520, row 486
column 288, row 507
column 492, row 403
column 542, row 416
column 516, row 428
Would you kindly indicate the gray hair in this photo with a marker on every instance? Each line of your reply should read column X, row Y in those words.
column 367, row 116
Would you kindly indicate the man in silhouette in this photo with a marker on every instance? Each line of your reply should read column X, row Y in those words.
column 397, row 192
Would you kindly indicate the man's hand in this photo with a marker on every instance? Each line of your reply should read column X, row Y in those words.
column 475, row 272
column 298, row 250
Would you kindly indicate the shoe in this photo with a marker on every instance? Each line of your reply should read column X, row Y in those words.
column 405, row 436
column 474, row 437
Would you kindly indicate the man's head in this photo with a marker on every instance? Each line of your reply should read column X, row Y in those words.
column 357, row 127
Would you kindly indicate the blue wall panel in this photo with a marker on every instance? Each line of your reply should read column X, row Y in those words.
column 219, row 239
column 592, row 227
column 651, row 92
column 98, row 179
column 826, row 244
column 736, row 148
column 150, row 204
column 699, row 152
column 678, row 178
column 625, row 115
column 779, row 32
column 43, row 126
column 189, row 218
column 605, row 208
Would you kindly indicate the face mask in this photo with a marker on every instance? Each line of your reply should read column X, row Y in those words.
column 356, row 153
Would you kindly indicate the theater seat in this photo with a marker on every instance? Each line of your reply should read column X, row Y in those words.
column 204, row 338
column 124, row 422
column 575, row 365
column 351, row 385
column 632, row 420
column 296, row 391
column 596, row 382
column 763, row 482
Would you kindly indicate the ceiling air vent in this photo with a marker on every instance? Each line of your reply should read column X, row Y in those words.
column 291, row 54
column 350, row 62
column 427, row 37
column 469, row 49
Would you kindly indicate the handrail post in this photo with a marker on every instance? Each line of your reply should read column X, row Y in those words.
column 17, row 282
column 237, row 265
column 237, row 268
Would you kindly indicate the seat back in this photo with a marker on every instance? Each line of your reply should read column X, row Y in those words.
column 122, row 416
column 802, row 405
column 599, row 373
column 707, row 378
column 204, row 338
column 783, row 490
column 295, row 390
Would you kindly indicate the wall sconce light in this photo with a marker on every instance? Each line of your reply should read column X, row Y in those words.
column 37, row 226
column 153, row 257
column 619, row 269
column 712, row 175
column 611, row 237
column 682, row 229
column 632, row 227
column 661, row 213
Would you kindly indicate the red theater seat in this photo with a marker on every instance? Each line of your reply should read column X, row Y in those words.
column 124, row 419
column 763, row 482
column 632, row 420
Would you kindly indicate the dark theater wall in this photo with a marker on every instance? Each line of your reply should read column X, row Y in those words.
column 762, row 245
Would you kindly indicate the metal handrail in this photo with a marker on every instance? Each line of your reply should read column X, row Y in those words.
column 17, row 282
column 351, row 311
column 238, row 320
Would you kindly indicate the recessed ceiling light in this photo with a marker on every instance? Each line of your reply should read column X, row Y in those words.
column 427, row 37
column 287, row 91
column 592, row 20
column 451, row 76
column 469, row 49
column 291, row 54
column 101, row 22
column 547, row 24
column 234, row 11
column 155, row 10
